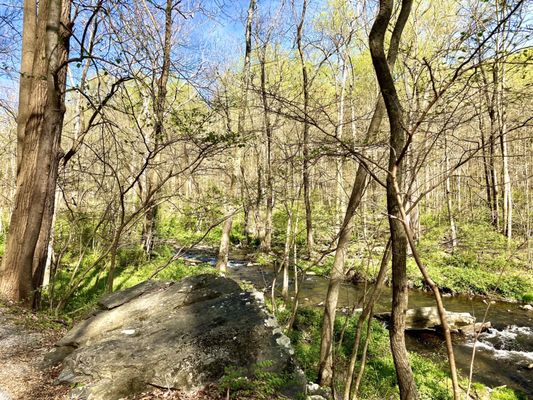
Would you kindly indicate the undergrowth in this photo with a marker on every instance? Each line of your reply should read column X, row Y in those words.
column 379, row 381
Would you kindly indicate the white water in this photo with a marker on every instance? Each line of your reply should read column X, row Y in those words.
column 507, row 344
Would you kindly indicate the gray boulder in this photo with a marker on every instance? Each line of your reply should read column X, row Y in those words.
column 428, row 318
column 179, row 335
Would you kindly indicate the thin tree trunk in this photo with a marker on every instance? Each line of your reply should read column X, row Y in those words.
column 447, row 187
column 150, row 219
column 432, row 285
column 507, row 203
column 486, row 169
column 365, row 314
column 266, row 240
column 325, row 369
column 404, row 373
column 305, row 165
column 491, row 158
column 339, row 162
column 222, row 258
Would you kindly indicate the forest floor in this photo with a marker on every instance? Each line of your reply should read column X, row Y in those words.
column 24, row 339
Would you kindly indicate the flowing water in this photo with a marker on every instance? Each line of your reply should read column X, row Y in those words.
column 503, row 356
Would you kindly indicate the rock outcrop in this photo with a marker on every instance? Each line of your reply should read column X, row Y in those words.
column 428, row 318
column 179, row 335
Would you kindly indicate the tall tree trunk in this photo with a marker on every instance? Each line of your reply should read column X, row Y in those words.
column 305, row 164
column 266, row 240
column 339, row 162
column 41, row 129
column 397, row 142
column 41, row 256
column 486, row 169
column 448, row 194
column 325, row 369
column 499, row 85
column 222, row 258
column 529, row 226
column 490, row 99
column 150, row 219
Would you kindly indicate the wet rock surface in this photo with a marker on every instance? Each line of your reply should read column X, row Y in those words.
column 180, row 335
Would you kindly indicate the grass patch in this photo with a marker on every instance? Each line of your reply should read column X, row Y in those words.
column 482, row 264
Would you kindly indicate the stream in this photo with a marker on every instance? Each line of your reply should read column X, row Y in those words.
column 504, row 353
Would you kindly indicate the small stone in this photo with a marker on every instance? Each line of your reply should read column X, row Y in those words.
column 259, row 296
column 527, row 307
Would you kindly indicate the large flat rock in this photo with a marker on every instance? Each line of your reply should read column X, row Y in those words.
column 428, row 318
column 179, row 335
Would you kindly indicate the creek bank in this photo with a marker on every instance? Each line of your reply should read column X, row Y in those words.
column 494, row 367
column 174, row 335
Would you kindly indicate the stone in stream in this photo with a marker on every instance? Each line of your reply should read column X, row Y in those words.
column 179, row 335
column 474, row 328
column 428, row 318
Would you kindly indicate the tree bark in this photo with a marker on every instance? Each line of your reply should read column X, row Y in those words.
column 26, row 73
column 499, row 84
column 43, row 247
column 41, row 132
column 305, row 151
column 397, row 143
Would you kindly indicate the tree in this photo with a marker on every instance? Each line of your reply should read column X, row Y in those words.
column 159, row 100
column 325, row 372
column 222, row 258
column 42, row 127
column 305, row 153
column 404, row 373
